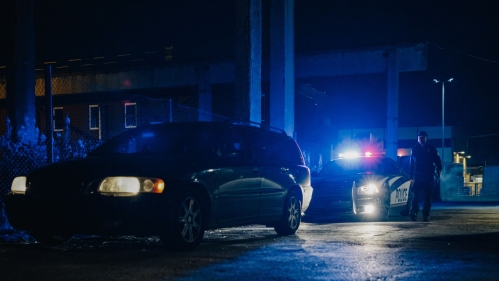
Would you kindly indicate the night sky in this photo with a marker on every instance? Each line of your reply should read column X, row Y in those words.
column 462, row 39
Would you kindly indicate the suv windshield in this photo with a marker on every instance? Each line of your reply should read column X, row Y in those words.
column 351, row 166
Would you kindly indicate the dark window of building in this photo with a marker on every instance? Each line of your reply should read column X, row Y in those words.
column 130, row 115
column 363, row 136
column 94, row 117
column 58, row 119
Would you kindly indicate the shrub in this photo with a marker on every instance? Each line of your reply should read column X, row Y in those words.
column 20, row 155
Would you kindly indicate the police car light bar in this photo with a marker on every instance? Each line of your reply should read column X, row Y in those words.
column 352, row 154
column 349, row 154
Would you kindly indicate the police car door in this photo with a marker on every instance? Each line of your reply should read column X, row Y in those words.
column 397, row 182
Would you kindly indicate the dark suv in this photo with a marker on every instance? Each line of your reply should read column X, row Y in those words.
column 174, row 180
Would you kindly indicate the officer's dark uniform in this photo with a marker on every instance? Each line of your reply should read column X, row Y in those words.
column 424, row 160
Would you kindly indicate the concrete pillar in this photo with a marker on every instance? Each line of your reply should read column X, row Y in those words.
column 392, row 117
column 17, row 18
column 204, row 93
column 282, row 74
column 248, row 60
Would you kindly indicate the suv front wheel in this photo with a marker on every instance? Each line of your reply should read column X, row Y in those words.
column 185, row 224
column 291, row 216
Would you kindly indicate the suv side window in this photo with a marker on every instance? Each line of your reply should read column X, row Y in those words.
column 289, row 153
column 231, row 145
column 262, row 147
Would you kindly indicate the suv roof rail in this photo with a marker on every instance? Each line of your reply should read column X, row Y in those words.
column 264, row 126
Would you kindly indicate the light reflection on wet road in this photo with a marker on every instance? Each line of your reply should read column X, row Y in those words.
column 461, row 242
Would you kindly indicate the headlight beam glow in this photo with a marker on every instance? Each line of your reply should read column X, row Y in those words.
column 369, row 189
column 369, row 208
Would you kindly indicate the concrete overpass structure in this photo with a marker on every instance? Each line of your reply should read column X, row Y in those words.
column 246, row 70
column 385, row 59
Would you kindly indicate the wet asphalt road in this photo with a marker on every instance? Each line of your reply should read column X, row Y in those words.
column 461, row 242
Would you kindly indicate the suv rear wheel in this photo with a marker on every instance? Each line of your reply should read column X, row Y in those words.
column 291, row 216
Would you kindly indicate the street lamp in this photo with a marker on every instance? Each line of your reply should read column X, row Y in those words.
column 443, row 108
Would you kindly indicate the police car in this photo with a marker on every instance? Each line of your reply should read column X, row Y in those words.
column 368, row 185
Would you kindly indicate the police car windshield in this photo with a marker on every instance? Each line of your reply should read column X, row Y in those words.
column 352, row 166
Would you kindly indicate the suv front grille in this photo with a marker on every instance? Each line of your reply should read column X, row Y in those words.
column 54, row 188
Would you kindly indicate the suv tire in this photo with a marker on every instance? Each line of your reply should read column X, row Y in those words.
column 291, row 217
column 186, row 221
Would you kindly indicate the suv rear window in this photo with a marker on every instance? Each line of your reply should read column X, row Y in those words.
column 272, row 148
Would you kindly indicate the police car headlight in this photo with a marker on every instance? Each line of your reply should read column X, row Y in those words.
column 369, row 208
column 369, row 189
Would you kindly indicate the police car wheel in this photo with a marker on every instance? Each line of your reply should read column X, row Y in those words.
column 354, row 197
column 384, row 211
column 386, row 204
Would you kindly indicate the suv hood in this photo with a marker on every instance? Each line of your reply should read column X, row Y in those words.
column 110, row 165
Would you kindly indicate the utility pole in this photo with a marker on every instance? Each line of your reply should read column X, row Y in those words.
column 443, row 112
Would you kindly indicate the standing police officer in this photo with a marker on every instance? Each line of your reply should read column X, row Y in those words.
column 424, row 160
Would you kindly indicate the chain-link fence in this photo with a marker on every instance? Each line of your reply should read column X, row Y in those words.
column 89, row 109
column 85, row 114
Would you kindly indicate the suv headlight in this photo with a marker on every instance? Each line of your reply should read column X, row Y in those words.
column 369, row 189
column 130, row 186
column 18, row 185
